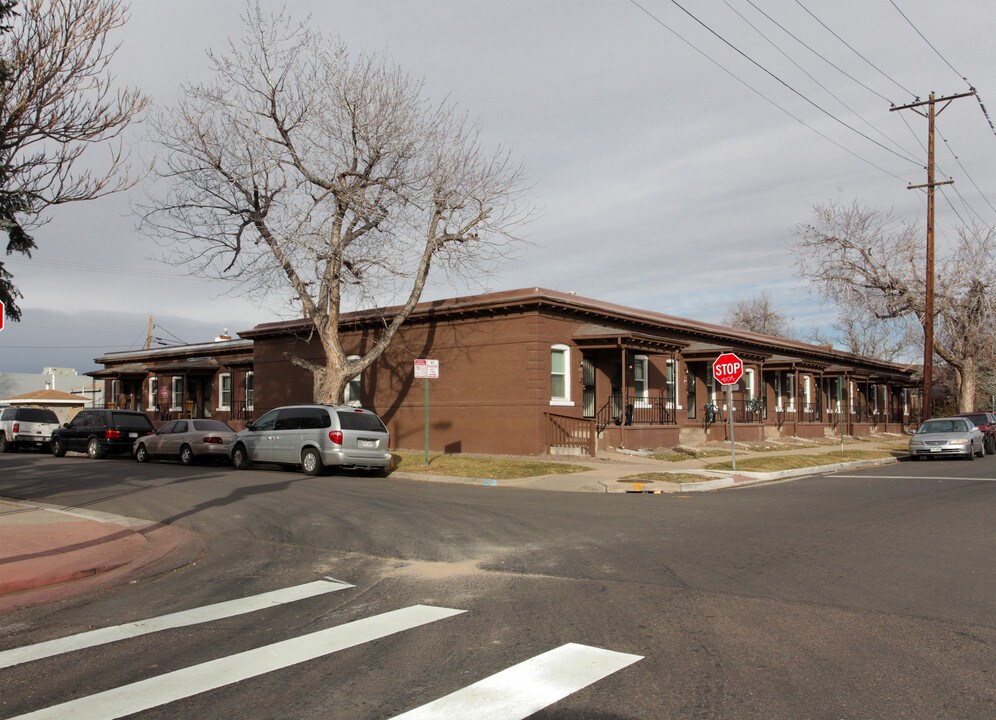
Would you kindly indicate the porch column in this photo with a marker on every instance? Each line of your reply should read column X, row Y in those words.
column 622, row 391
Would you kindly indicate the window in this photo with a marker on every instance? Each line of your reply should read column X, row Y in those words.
column 225, row 391
column 807, row 391
column 352, row 394
column 671, row 383
column 249, row 390
column 641, row 391
column 690, row 391
column 850, row 395
column 153, row 392
column 177, row 393
column 749, row 384
column 560, row 375
column 790, row 391
column 115, row 393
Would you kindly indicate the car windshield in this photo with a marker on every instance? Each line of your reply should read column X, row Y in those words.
column 942, row 426
column 212, row 426
column 37, row 415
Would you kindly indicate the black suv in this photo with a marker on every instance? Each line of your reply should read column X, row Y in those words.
column 99, row 432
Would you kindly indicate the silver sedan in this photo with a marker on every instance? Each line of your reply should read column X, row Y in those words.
column 186, row 440
column 946, row 437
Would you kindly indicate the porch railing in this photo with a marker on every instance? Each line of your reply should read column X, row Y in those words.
column 573, row 432
column 649, row 410
column 753, row 411
column 241, row 412
column 810, row 412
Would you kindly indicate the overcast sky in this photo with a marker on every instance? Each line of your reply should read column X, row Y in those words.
column 670, row 160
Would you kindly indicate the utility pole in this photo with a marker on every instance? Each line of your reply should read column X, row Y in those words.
column 928, row 310
column 148, row 335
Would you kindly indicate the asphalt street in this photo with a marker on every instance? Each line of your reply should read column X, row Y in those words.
column 862, row 595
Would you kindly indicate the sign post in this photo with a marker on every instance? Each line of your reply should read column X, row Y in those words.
column 426, row 369
column 728, row 369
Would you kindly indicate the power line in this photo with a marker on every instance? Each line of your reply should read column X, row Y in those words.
column 856, row 52
column 789, row 87
column 761, row 94
column 818, row 54
column 814, row 79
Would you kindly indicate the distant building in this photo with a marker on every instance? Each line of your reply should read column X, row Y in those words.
column 65, row 380
column 64, row 405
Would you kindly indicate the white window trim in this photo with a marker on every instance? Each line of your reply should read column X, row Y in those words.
column 643, row 398
column 355, row 402
column 672, row 367
column 850, row 395
column 153, row 392
column 174, row 381
column 566, row 400
column 807, row 390
column 790, row 395
column 250, row 375
column 779, row 407
column 221, row 384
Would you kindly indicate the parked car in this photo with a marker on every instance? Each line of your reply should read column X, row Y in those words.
column 314, row 437
column 186, row 440
column 986, row 422
column 23, row 427
column 944, row 437
column 101, row 432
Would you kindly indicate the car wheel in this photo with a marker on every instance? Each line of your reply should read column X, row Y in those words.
column 915, row 458
column 94, row 450
column 982, row 450
column 990, row 445
column 311, row 462
column 240, row 458
column 186, row 455
column 142, row 455
column 971, row 452
column 58, row 448
column 5, row 446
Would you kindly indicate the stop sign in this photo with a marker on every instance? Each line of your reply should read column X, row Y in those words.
column 3, row 313
column 728, row 369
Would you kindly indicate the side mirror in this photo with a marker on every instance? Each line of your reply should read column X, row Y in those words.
column 250, row 427
column 65, row 425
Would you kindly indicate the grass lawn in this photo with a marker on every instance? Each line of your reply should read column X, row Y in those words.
column 479, row 466
column 678, row 455
column 772, row 463
column 664, row 477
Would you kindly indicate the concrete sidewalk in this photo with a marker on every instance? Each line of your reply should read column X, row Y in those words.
column 50, row 553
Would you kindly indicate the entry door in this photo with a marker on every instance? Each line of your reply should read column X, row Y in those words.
column 588, row 382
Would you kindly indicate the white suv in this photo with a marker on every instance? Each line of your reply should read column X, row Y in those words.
column 314, row 437
column 26, row 427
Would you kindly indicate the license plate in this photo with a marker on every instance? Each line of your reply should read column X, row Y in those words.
column 133, row 435
column 368, row 443
column 935, row 449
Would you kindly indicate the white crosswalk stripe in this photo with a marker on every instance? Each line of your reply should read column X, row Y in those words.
column 528, row 687
column 217, row 611
column 512, row 694
column 197, row 679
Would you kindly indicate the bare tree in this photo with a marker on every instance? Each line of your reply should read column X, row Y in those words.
column 861, row 334
column 758, row 314
column 58, row 100
column 871, row 262
column 329, row 179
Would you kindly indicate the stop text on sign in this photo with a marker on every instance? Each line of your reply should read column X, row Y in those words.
column 728, row 369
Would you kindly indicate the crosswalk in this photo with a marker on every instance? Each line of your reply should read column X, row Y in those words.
column 512, row 694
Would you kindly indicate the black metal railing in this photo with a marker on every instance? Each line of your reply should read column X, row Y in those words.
column 650, row 410
column 241, row 412
column 810, row 412
column 752, row 411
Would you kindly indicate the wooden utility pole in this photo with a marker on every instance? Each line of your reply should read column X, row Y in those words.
column 148, row 335
column 928, row 310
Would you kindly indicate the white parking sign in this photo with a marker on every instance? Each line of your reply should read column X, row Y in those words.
column 426, row 369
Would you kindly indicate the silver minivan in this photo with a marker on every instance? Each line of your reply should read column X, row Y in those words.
column 315, row 437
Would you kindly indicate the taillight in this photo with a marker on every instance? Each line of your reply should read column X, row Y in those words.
column 113, row 434
column 336, row 437
column 16, row 428
column 389, row 441
column 212, row 439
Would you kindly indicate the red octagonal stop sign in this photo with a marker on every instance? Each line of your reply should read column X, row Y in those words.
column 3, row 314
column 728, row 369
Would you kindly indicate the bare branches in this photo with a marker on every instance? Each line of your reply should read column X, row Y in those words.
column 328, row 178
column 759, row 315
column 869, row 263
column 59, row 100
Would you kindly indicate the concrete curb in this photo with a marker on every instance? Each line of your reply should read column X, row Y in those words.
column 737, row 478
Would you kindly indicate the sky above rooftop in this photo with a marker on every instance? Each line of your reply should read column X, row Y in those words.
column 671, row 157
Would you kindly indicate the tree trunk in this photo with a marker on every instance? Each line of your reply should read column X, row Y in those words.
column 330, row 385
column 966, row 389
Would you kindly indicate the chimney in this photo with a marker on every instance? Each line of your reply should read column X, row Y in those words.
column 224, row 336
